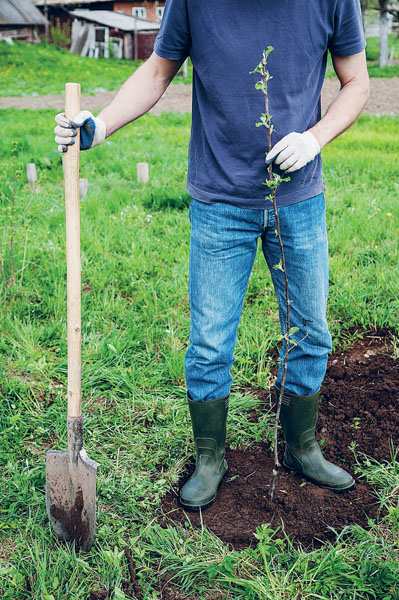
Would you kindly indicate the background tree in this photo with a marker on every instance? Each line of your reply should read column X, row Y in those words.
column 385, row 8
column 395, row 13
column 383, row 59
column 365, row 4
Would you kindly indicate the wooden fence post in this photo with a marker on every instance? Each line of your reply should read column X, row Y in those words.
column 142, row 172
column 83, row 187
column 31, row 174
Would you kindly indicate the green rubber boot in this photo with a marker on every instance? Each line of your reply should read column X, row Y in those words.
column 302, row 452
column 209, row 427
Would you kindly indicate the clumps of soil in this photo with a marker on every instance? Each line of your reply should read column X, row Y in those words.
column 169, row 591
column 131, row 588
column 360, row 400
column 103, row 594
column 98, row 595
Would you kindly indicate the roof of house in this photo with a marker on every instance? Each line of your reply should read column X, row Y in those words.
column 118, row 20
column 70, row 2
column 65, row 2
column 20, row 12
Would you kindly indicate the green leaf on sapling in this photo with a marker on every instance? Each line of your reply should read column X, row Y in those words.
column 267, row 52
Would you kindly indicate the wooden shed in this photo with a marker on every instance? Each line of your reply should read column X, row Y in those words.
column 20, row 19
column 152, row 10
column 132, row 39
column 112, row 34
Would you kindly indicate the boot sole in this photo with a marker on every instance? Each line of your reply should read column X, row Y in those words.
column 194, row 508
column 197, row 508
column 325, row 487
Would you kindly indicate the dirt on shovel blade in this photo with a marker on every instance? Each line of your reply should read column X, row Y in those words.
column 71, row 498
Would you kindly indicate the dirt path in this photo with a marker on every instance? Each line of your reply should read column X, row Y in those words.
column 384, row 95
column 384, row 99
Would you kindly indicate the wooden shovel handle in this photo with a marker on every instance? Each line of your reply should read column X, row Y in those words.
column 72, row 211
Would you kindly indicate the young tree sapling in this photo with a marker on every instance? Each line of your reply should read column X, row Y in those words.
column 272, row 182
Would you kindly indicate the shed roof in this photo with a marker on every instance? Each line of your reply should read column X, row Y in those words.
column 69, row 2
column 20, row 12
column 118, row 20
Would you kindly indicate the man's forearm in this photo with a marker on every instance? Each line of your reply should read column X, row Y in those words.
column 139, row 93
column 347, row 105
column 341, row 113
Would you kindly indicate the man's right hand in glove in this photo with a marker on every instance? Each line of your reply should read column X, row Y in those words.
column 137, row 95
column 92, row 130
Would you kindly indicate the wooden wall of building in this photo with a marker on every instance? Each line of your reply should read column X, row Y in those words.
column 151, row 8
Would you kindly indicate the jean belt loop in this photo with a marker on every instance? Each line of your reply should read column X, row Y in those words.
column 265, row 218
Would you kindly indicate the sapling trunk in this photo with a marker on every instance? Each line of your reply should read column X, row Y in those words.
column 272, row 183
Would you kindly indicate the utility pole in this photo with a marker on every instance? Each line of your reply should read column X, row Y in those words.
column 383, row 57
column 136, row 39
column 47, row 23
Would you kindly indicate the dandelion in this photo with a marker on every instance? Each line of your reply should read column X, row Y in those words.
column 389, row 214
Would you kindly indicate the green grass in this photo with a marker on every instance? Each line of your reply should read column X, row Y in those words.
column 135, row 328
column 386, row 72
column 28, row 70
column 372, row 52
column 362, row 187
column 34, row 70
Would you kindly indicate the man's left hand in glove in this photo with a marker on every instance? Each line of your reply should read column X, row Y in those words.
column 294, row 151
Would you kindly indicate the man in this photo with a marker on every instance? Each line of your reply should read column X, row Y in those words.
column 228, row 213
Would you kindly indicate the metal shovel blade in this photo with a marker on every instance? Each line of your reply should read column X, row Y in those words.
column 71, row 497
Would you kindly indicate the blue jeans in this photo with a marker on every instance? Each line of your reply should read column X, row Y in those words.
column 223, row 248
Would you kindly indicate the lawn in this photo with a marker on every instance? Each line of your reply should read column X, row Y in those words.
column 135, row 242
column 28, row 70
column 372, row 59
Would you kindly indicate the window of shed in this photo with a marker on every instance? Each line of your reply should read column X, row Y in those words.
column 160, row 11
column 139, row 12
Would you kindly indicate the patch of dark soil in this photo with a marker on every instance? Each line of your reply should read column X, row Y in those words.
column 360, row 401
column 132, row 572
column 359, row 405
column 171, row 592
column 131, row 588
column 98, row 595
column 86, row 289
column 104, row 594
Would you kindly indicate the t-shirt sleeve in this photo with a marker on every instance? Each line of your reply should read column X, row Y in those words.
column 174, row 37
column 348, row 36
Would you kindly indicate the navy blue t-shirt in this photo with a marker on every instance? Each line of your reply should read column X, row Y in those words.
column 225, row 40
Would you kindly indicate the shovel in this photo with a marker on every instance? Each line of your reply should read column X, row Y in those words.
column 71, row 475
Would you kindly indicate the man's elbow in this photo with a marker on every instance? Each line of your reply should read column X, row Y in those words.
column 360, row 88
column 365, row 87
column 162, row 69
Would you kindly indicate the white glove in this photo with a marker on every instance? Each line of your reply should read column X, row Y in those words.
column 294, row 151
column 92, row 130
